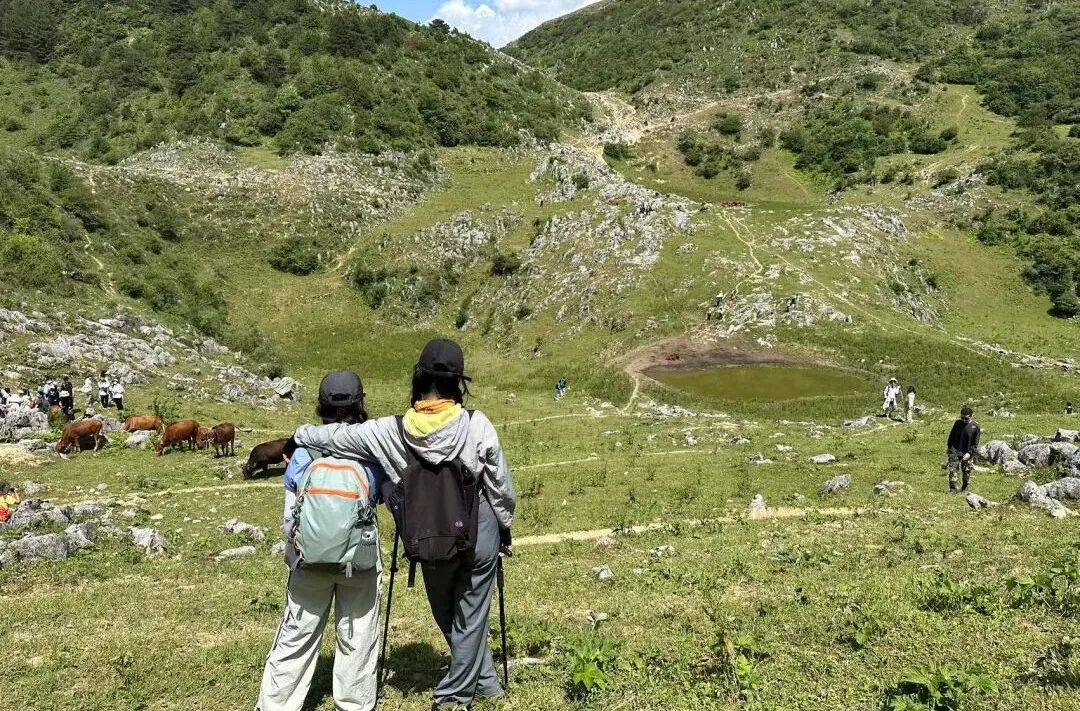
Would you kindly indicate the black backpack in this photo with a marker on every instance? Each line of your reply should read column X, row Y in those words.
column 435, row 508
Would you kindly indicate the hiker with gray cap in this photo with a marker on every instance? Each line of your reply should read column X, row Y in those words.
column 332, row 550
column 436, row 443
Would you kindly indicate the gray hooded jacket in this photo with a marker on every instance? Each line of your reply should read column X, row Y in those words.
column 470, row 438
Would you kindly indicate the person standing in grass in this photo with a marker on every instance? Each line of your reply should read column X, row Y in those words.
column 116, row 393
column 890, row 395
column 103, row 389
column 438, row 430
column 910, row 413
column 961, row 448
column 290, row 666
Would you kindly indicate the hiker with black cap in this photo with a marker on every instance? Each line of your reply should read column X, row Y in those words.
column 961, row 448
column 327, row 499
column 438, row 443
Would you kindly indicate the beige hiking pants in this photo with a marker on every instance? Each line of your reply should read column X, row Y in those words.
column 290, row 665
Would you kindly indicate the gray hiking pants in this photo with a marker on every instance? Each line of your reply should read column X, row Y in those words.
column 290, row 665
column 460, row 599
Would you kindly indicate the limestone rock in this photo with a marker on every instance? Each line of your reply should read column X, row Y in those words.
column 867, row 421
column 977, row 502
column 757, row 506
column 823, row 458
column 1035, row 455
column 839, row 483
column 603, row 573
column 252, row 533
column 80, row 535
column 138, row 439
column 664, row 551
column 758, row 458
column 604, row 542
column 886, row 488
column 88, row 509
column 46, row 546
column 149, row 539
column 997, row 452
column 234, row 553
column 32, row 488
column 1036, row 496
column 278, row 548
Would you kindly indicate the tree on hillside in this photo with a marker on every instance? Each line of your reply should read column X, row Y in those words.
column 28, row 28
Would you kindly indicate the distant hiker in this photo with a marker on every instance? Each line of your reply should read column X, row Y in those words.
column 116, row 392
column 891, row 395
column 67, row 399
column 1068, row 408
column 962, row 446
column 9, row 501
column 436, row 445
column 910, row 413
column 87, row 390
column 43, row 401
column 315, row 488
column 52, row 393
column 103, row 389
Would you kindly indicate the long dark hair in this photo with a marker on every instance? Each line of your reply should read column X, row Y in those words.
column 448, row 387
column 347, row 414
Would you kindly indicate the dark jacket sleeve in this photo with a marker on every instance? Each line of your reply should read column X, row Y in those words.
column 956, row 436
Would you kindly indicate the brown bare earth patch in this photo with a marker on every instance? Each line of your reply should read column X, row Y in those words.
column 681, row 353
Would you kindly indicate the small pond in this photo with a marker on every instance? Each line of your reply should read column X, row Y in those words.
column 765, row 383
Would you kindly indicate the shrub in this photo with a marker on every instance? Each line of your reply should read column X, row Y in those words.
column 593, row 660
column 743, row 181
column 13, row 124
column 28, row 261
column 503, row 264
column 296, row 255
column 728, row 124
column 1057, row 588
column 944, row 594
column 950, row 133
column 581, row 181
column 618, row 151
column 1074, row 131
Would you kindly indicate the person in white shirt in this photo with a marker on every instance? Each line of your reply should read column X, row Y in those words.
column 891, row 395
column 103, row 389
column 910, row 403
column 117, row 394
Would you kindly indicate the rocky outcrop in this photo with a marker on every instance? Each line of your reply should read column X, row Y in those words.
column 1039, row 497
column 836, row 484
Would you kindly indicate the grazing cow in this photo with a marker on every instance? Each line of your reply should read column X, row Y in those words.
column 176, row 434
column 141, row 423
column 204, row 438
column 264, row 456
column 76, row 431
column 224, row 438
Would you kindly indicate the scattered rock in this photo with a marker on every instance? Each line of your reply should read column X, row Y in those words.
column 234, row 553
column 138, row 439
column 739, row 441
column 886, row 488
column 32, row 488
column 1013, row 466
column 1063, row 435
column 836, row 484
column 149, row 539
column 691, row 440
column 46, row 546
column 80, row 535
column 997, row 452
column 977, row 502
column 278, row 548
column 1036, row 496
column 663, row 552
column 253, row 533
column 783, row 448
column 758, row 458
column 1035, row 455
column 867, row 421
column 89, row 509
column 518, row 662
column 757, row 506
column 823, row 458
column 1067, row 488
column 33, row 445
column 603, row 573
column 606, row 542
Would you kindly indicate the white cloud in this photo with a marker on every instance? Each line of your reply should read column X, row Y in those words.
column 500, row 21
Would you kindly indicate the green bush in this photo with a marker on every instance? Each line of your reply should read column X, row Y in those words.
column 28, row 261
column 940, row 688
column 728, row 124
column 503, row 264
column 296, row 255
column 618, row 151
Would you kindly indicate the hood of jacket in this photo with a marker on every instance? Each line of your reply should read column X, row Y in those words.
column 437, row 437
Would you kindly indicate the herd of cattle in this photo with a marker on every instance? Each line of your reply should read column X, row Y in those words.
column 176, row 436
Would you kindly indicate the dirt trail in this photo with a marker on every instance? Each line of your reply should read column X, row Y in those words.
column 769, row 515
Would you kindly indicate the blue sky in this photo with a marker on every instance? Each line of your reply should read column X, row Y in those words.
column 494, row 21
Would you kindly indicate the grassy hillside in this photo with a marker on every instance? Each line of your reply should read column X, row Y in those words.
column 108, row 79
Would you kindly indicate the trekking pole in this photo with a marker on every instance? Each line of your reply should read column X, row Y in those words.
column 502, row 623
column 380, row 671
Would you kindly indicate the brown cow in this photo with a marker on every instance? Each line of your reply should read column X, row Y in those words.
column 76, row 431
column 176, row 434
column 224, row 438
column 204, row 438
column 264, row 456
column 139, row 423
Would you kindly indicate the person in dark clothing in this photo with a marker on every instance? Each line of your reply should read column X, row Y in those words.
column 962, row 446
column 67, row 399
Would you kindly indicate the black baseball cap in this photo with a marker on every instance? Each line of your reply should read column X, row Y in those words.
column 443, row 357
column 341, row 388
